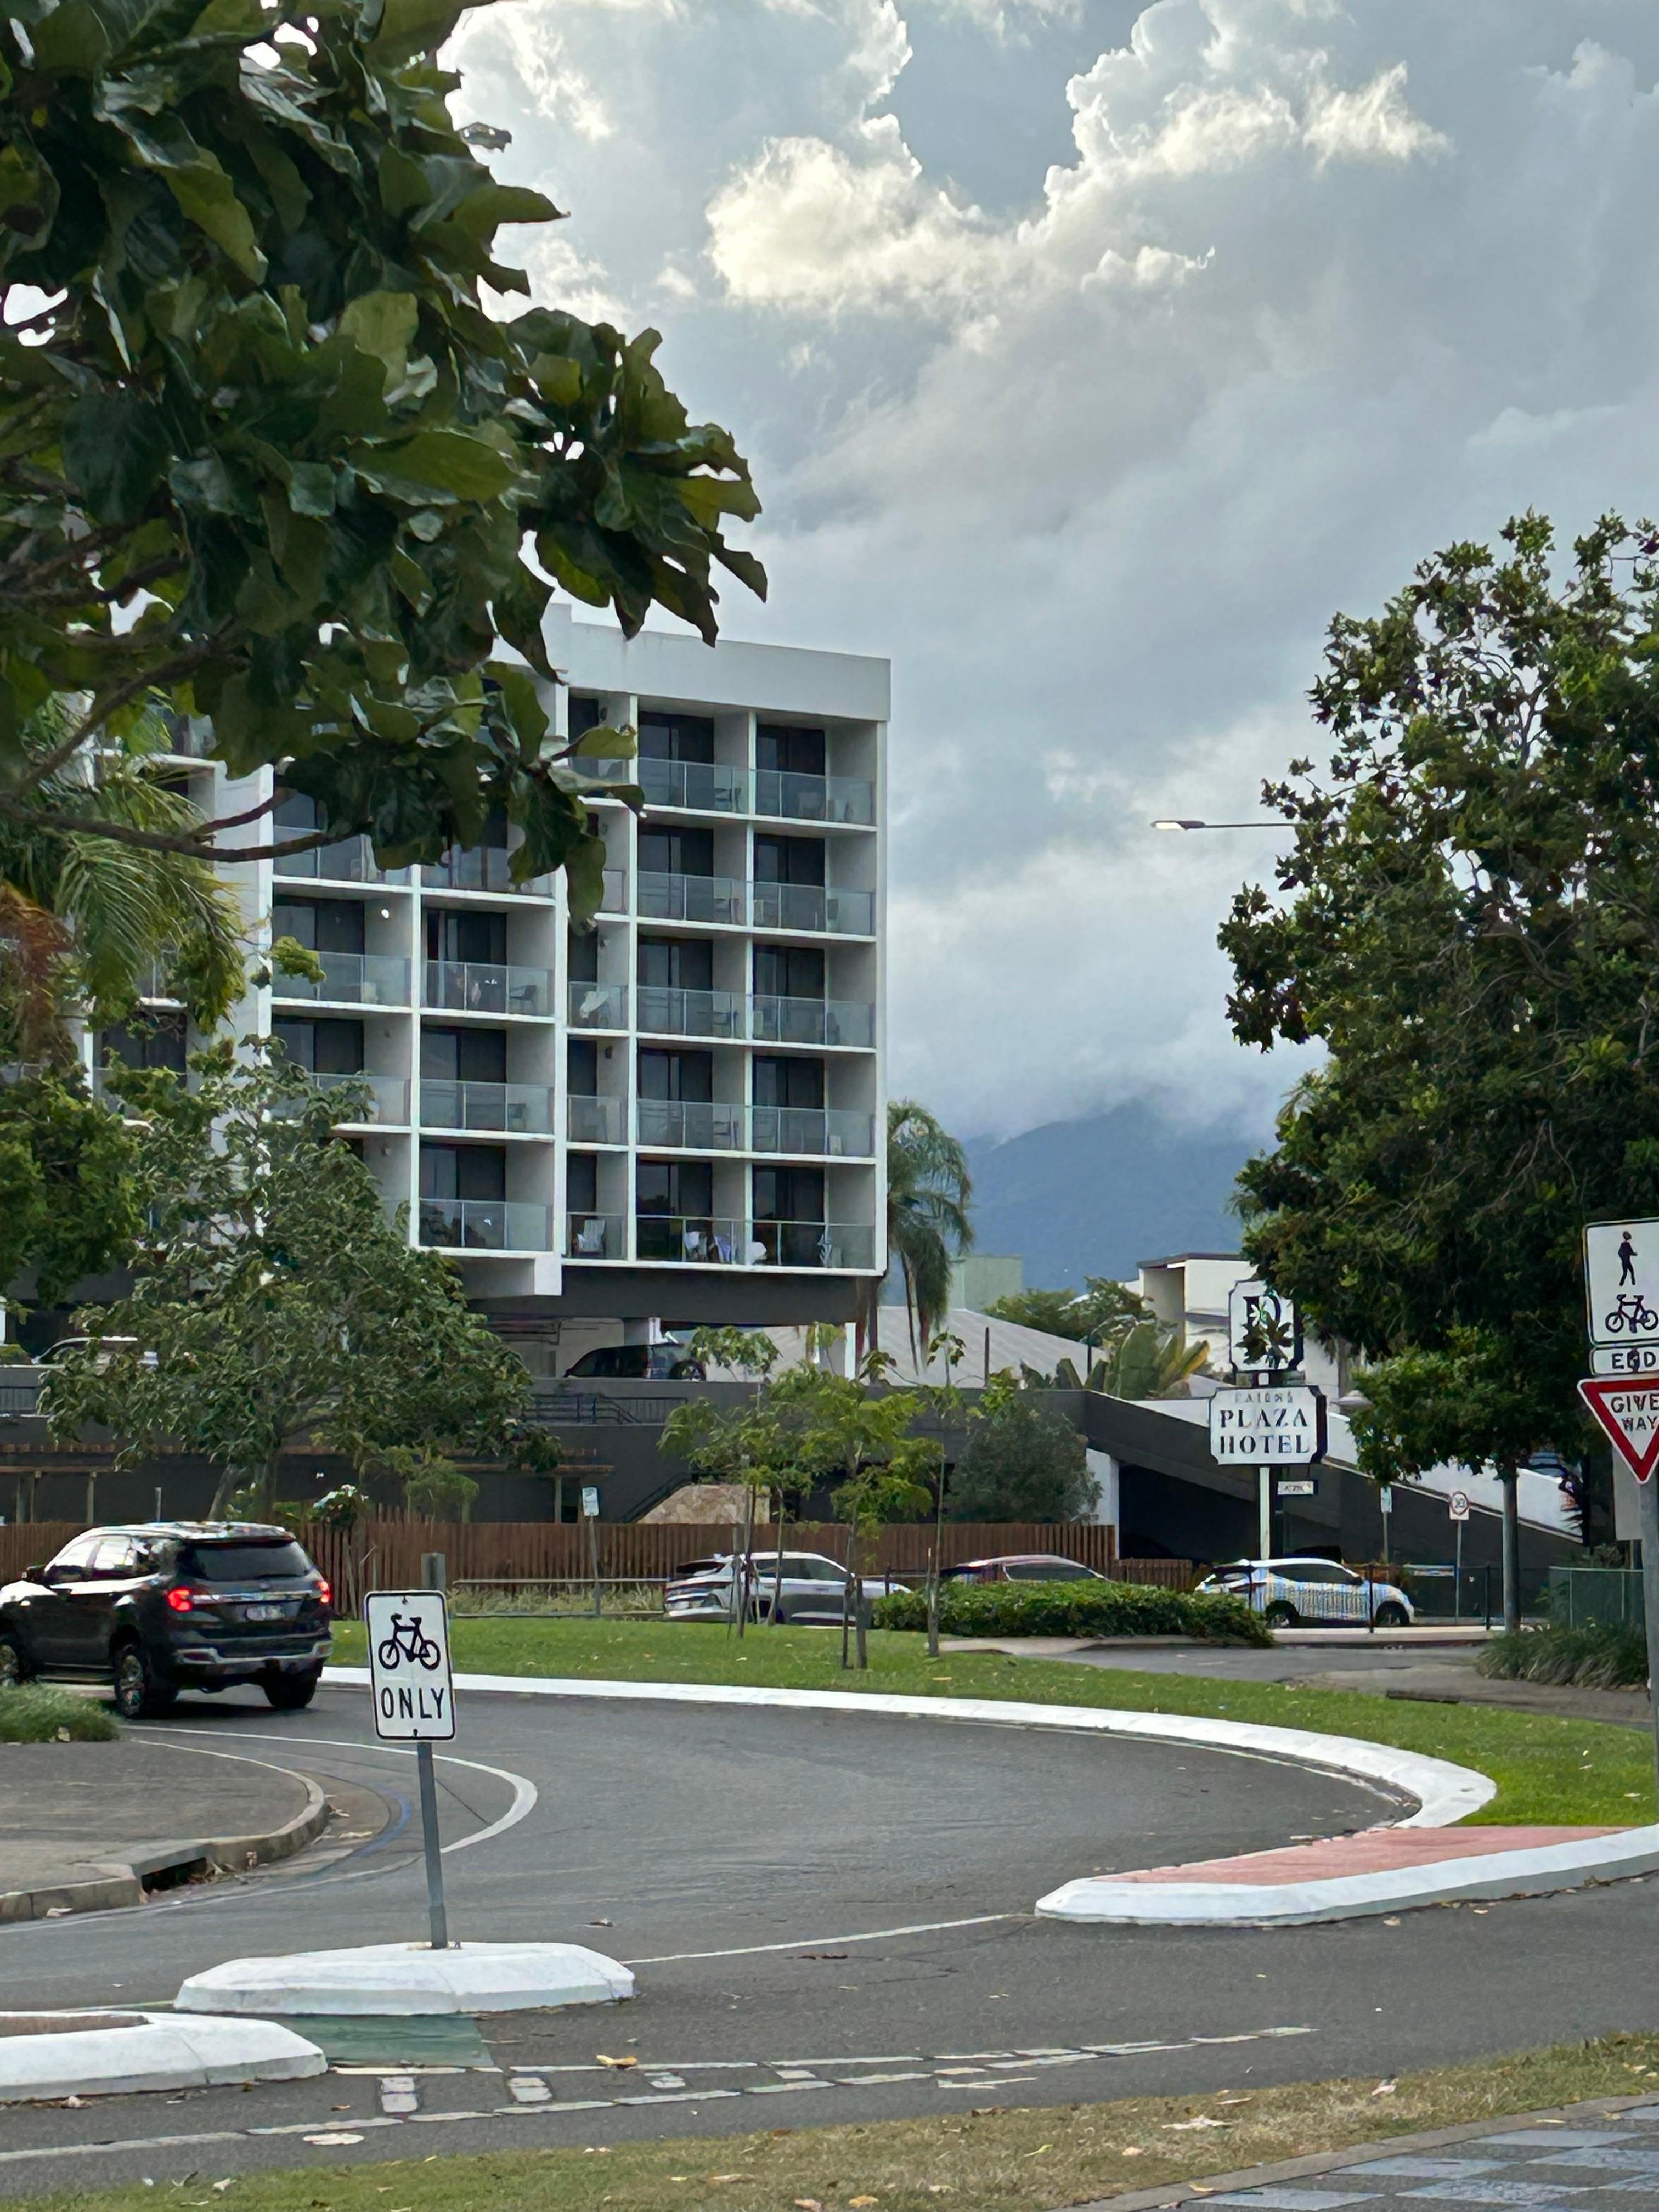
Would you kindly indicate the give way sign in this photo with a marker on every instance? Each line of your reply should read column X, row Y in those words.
column 1629, row 1412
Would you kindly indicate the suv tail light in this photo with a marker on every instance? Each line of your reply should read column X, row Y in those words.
column 181, row 1601
column 324, row 1593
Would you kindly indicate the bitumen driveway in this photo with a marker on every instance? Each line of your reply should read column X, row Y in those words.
column 831, row 1909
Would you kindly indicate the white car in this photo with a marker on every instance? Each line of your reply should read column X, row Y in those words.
column 812, row 1589
column 1288, row 1592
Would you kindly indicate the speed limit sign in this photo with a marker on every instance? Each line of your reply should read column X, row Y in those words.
column 1459, row 1505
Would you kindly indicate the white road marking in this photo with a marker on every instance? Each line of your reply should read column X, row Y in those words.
column 824, row 1942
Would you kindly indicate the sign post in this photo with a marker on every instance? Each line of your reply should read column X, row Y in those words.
column 415, row 1703
column 591, row 1514
column 1459, row 1505
column 1628, row 1414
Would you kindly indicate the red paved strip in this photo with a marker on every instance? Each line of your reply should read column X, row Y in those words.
column 1373, row 1850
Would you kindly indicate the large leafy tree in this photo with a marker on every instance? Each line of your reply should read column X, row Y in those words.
column 274, row 1304
column 1023, row 1462
column 1101, row 1312
column 266, row 455
column 1469, row 922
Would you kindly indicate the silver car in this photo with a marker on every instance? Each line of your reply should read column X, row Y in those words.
column 1288, row 1592
column 813, row 1588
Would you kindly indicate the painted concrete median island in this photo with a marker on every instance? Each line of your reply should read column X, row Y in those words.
column 1381, row 1870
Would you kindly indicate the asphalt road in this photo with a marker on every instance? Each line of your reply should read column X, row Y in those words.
column 831, row 1909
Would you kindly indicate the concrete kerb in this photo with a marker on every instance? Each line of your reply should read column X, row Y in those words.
column 378, row 1979
column 1444, row 1793
column 128, row 1881
column 119, row 2054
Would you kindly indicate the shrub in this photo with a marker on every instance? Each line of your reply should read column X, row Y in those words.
column 1080, row 1608
column 1601, row 1655
column 1023, row 1462
column 30, row 1714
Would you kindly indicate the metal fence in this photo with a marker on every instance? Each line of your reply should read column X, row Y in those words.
column 1595, row 1597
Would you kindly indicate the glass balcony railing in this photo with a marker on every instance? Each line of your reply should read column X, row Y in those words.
column 613, row 897
column 691, row 898
column 388, row 1094
column 598, row 1005
column 690, row 1013
column 518, row 1108
column 484, row 1225
column 350, row 860
column 710, row 787
column 811, row 1021
column 475, row 986
column 830, row 1134
column 483, row 868
column 689, row 1125
column 702, row 1241
column 815, row 798
column 350, row 979
column 811, row 905
column 812, row 1245
column 595, row 1236
column 590, row 1120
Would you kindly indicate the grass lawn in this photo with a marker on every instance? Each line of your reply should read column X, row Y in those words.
column 30, row 1713
column 1548, row 1770
column 976, row 2161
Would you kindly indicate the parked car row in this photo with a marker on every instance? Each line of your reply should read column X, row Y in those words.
column 812, row 1586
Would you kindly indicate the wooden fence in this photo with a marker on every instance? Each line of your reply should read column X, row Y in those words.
column 387, row 1554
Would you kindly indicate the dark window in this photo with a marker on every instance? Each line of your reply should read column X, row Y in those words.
column 464, row 1056
column 678, row 1075
column 677, row 852
column 152, row 1041
column 463, row 1171
column 581, row 1067
column 584, row 956
column 581, row 1183
column 676, row 737
column 320, row 925
column 77, row 1553
column 676, row 963
column 788, row 1193
column 683, row 1186
column 795, row 752
column 229, row 1564
column 585, row 715
column 789, row 859
column 322, row 1047
column 115, row 1560
column 783, row 1081
column 295, row 813
column 464, row 933
column 788, row 971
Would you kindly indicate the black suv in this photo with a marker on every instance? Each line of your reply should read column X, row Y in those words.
column 167, row 1604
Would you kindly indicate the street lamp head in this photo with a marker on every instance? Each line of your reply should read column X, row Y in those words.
column 1180, row 825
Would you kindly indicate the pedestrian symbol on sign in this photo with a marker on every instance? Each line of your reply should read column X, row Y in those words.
column 1626, row 1259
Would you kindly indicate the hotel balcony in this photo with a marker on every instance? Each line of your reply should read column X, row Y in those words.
column 349, row 979
column 482, row 1224
column 474, row 986
column 518, row 1109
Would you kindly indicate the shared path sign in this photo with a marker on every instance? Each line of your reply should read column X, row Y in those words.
column 1277, row 1423
column 1621, row 1296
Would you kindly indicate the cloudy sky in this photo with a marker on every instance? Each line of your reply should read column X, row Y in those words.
column 1088, row 358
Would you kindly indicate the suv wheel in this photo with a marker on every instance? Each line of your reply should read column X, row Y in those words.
column 12, row 1670
column 290, row 1693
column 139, row 1693
column 1390, row 1615
column 1281, row 1615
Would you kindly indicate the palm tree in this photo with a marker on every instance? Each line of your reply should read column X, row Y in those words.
column 85, row 919
column 928, row 1193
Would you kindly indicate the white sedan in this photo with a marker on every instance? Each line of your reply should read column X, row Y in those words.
column 813, row 1586
column 1288, row 1592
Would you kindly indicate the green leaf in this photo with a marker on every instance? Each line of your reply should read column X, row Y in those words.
column 115, row 447
column 381, row 325
column 208, row 196
column 436, row 462
column 606, row 743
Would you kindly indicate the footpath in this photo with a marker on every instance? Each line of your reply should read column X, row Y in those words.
column 94, row 1825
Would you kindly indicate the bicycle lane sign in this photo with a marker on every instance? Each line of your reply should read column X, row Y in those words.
column 1621, row 1291
column 408, row 1665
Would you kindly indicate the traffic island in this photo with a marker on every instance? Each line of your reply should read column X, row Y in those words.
column 47, row 2056
column 1349, row 1877
column 406, row 1978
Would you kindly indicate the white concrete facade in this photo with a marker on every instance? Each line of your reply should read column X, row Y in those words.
column 679, row 1113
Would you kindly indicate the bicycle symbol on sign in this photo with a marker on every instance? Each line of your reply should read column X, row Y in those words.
column 1632, row 1311
column 409, row 1640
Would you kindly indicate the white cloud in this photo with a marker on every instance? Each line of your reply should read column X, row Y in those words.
column 1319, row 285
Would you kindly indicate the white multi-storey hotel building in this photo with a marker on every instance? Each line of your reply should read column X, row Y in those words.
column 676, row 1115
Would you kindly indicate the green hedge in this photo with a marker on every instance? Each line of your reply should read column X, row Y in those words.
column 1080, row 1608
column 1601, row 1655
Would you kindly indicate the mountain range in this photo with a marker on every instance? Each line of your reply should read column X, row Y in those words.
column 1097, row 1195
